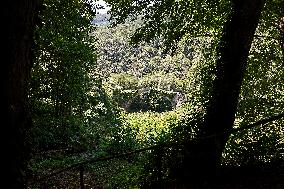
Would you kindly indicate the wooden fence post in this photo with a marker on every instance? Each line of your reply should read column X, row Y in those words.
column 82, row 185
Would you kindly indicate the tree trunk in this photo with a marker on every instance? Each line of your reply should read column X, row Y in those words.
column 233, row 53
column 18, row 27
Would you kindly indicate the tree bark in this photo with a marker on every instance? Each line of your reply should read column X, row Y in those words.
column 204, row 157
column 19, row 23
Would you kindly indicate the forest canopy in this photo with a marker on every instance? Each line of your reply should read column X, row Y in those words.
column 155, row 94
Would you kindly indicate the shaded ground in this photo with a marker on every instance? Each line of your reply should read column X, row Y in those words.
column 264, row 176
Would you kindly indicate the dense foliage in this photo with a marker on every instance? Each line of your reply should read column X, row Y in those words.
column 249, row 146
column 262, row 95
column 99, row 91
column 64, row 92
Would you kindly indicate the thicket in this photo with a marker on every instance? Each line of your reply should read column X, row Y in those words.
column 95, row 93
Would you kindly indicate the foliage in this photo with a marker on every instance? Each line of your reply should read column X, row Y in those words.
column 129, row 71
column 143, row 79
column 159, row 19
column 117, row 55
column 67, row 99
column 171, row 19
column 261, row 97
column 167, row 130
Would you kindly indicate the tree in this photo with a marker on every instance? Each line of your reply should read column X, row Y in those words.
column 174, row 20
column 20, row 19
column 261, row 96
column 61, row 83
column 146, row 65
column 233, row 51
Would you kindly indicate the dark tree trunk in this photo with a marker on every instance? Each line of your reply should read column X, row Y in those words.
column 19, row 21
column 233, row 53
